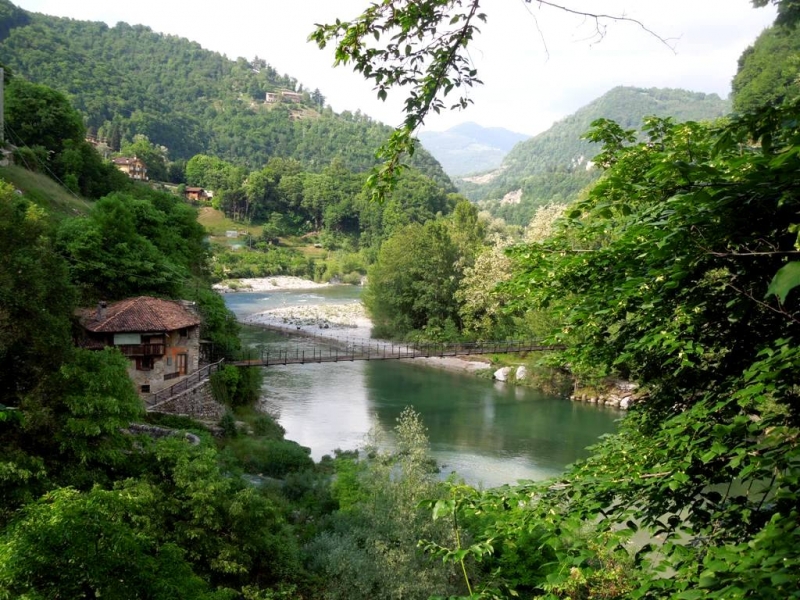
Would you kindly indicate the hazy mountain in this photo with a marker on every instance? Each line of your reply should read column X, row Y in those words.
column 470, row 148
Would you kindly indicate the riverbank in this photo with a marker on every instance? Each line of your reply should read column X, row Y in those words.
column 267, row 284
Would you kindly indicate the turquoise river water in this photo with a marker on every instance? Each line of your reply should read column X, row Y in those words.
column 490, row 433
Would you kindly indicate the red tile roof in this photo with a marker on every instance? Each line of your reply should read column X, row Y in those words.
column 142, row 314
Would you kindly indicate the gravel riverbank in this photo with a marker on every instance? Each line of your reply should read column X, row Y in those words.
column 267, row 284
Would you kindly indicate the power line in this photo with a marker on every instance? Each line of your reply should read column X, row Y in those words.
column 53, row 176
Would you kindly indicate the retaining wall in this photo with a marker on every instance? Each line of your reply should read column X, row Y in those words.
column 196, row 402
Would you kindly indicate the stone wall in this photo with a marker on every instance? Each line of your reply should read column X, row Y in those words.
column 197, row 402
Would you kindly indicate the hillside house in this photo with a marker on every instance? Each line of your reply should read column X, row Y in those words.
column 132, row 167
column 196, row 194
column 160, row 337
column 283, row 96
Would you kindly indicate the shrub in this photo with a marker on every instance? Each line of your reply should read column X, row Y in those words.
column 228, row 425
column 266, row 426
column 273, row 458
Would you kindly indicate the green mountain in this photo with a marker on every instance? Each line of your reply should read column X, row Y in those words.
column 469, row 147
column 129, row 80
column 556, row 164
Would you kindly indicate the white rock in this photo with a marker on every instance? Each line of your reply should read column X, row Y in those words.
column 521, row 374
column 625, row 403
column 502, row 374
column 627, row 386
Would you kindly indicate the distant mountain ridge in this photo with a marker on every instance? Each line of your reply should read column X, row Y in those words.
column 129, row 80
column 469, row 147
column 552, row 166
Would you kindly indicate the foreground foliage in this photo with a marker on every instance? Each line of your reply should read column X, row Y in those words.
column 662, row 276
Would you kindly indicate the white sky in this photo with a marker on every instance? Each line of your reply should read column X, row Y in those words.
column 526, row 88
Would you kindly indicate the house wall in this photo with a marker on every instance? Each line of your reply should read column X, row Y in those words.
column 164, row 365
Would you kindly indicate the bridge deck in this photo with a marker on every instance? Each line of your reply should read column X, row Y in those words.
column 384, row 351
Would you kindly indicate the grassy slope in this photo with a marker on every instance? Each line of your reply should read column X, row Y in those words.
column 216, row 223
column 56, row 200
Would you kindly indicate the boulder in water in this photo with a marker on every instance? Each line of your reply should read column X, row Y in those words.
column 502, row 374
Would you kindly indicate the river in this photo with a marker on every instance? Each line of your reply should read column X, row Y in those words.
column 490, row 433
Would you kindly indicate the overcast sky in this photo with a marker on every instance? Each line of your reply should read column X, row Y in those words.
column 531, row 78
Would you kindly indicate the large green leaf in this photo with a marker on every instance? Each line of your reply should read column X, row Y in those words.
column 786, row 279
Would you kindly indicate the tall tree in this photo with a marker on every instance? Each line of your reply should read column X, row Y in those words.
column 36, row 298
column 412, row 285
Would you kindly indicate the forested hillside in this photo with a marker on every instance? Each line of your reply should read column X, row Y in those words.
column 768, row 70
column 129, row 80
column 554, row 166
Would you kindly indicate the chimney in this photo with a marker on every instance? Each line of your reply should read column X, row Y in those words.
column 101, row 310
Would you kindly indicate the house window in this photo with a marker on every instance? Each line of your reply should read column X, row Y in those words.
column 144, row 363
column 169, row 361
column 145, row 389
column 127, row 339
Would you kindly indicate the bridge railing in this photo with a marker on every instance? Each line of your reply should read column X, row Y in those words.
column 377, row 350
column 184, row 384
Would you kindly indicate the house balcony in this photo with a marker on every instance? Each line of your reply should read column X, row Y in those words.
column 142, row 349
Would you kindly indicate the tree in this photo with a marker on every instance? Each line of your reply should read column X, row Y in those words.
column 36, row 298
column 72, row 544
column 412, row 285
column 481, row 303
column 39, row 116
column 99, row 400
column 154, row 156
column 369, row 551
column 213, row 173
column 109, row 257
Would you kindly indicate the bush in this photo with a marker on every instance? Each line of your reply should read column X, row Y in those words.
column 273, row 458
column 33, row 159
column 174, row 422
column 228, row 425
column 266, row 426
column 237, row 386
column 352, row 278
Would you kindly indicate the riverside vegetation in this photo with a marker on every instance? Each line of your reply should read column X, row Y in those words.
column 677, row 269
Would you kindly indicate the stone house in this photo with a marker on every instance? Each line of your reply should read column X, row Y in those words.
column 160, row 337
column 132, row 167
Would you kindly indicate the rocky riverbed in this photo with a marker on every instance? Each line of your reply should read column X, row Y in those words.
column 267, row 284
column 327, row 320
